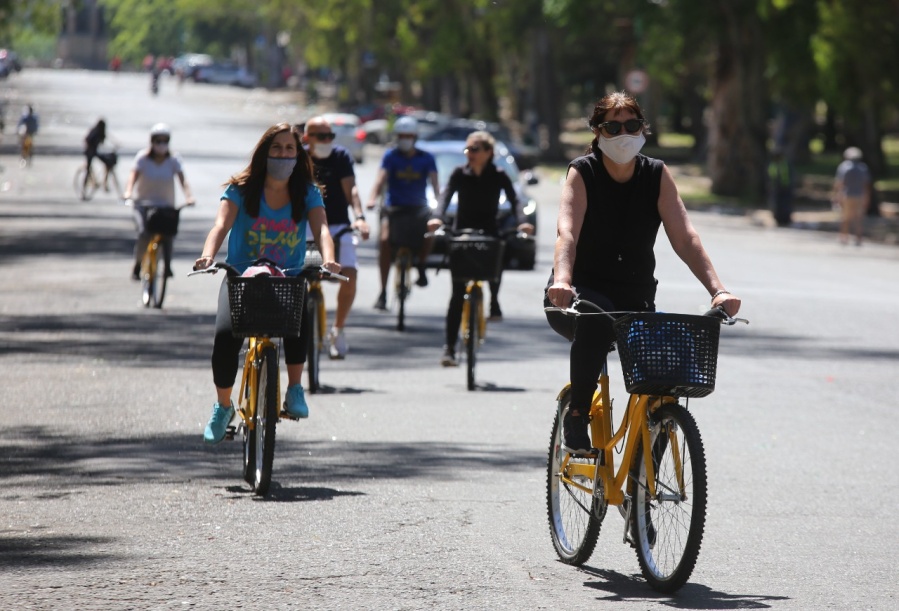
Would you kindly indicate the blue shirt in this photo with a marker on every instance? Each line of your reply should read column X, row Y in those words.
column 273, row 234
column 407, row 177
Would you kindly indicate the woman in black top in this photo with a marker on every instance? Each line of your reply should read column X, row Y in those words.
column 616, row 199
column 479, row 184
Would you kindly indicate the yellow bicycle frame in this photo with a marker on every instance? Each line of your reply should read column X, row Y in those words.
column 249, row 381
column 151, row 257
column 482, row 320
column 636, row 426
column 316, row 286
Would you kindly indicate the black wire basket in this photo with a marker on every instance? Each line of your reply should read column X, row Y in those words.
column 476, row 258
column 266, row 306
column 671, row 355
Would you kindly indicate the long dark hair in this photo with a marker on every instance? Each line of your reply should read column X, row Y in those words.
column 613, row 101
column 251, row 180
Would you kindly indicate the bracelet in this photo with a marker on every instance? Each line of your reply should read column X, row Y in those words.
column 721, row 292
column 360, row 217
column 207, row 257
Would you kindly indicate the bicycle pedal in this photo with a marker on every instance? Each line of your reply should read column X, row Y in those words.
column 284, row 415
column 591, row 453
column 230, row 432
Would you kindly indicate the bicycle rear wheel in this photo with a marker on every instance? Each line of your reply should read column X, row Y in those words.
column 153, row 276
column 403, row 288
column 668, row 529
column 314, row 338
column 575, row 512
column 265, row 420
column 473, row 332
column 85, row 184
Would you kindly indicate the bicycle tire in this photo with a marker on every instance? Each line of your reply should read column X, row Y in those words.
column 153, row 277
column 265, row 420
column 667, row 531
column 473, row 333
column 84, row 190
column 403, row 288
column 249, row 445
column 575, row 516
column 313, row 340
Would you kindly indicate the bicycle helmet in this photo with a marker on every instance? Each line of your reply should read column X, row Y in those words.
column 406, row 126
column 160, row 129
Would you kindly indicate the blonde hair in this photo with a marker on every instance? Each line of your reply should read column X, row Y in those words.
column 481, row 136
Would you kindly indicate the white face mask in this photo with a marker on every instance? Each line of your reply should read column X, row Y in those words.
column 405, row 144
column 322, row 151
column 621, row 149
column 160, row 148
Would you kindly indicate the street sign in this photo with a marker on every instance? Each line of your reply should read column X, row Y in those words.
column 636, row 81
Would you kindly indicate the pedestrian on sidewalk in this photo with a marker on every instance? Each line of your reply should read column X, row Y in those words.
column 852, row 193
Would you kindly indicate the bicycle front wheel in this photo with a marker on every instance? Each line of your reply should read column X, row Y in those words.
column 668, row 529
column 575, row 512
column 265, row 420
column 473, row 332
column 153, row 276
column 313, row 339
column 403, row 288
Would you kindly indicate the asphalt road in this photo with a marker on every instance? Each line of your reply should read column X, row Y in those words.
column 403, row 490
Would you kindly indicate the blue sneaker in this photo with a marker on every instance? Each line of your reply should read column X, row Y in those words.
column 218, row 423
column 295, row 402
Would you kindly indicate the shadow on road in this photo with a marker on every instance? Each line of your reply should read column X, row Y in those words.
column 49, row 550
column 692, row 596
column 65, row 463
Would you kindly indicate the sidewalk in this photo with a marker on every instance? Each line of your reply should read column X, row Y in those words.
column 883, row 229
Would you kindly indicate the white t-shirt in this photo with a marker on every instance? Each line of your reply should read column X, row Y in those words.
column 156, row 181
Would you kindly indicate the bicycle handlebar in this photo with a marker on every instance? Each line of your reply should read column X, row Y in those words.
column 716, row 312
column 308, row 273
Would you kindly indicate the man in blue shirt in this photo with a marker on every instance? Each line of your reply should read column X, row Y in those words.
column 335, row 174
column 405, row 170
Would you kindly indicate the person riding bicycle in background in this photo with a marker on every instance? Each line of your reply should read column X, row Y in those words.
column 27, row 127
column 479, row 184
column 263, row 212
column 96, row 137
column 151, row 184
column 334, row 172
column 405, row 170
column 612, row 204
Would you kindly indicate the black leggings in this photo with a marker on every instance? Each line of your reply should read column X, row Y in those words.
column 226, row 347
column 454, row 312
column 592, row 339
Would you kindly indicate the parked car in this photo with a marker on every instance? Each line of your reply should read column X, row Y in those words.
column 520, row 251
column 350, row 134
column 458, row 129
column 225, row 74
column 377, row 131
column 9, row 63
column 187, row 65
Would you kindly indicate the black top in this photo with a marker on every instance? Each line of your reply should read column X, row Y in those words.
column 615, row 246
column 329, row 174
column 479, row 198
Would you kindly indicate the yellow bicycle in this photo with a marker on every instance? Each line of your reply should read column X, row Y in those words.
column 154, row 275
column 262, row 307
column 474, row 258
column 660, row 487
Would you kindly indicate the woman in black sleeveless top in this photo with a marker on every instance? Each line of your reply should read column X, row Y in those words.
column 612, row 205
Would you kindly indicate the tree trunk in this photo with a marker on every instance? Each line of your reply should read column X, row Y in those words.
column 737, row 130
column 548, row 96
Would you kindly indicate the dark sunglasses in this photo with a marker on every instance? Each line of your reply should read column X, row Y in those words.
column 475, row 149
column 632, row 126
column 324, row 137
column 160, row 140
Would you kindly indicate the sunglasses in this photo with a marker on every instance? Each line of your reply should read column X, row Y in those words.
column 475, row 149
column 160, row 140
column 324, row 136
column 613, row 128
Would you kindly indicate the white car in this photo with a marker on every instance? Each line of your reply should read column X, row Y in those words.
column 225, row 74
column 350, row 134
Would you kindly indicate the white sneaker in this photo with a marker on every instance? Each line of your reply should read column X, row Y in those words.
column 339, row 347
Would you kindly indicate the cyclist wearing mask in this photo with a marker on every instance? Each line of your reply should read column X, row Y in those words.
column 405, row 171
column 612, row 204
column 334, row 172
column 151, row 184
